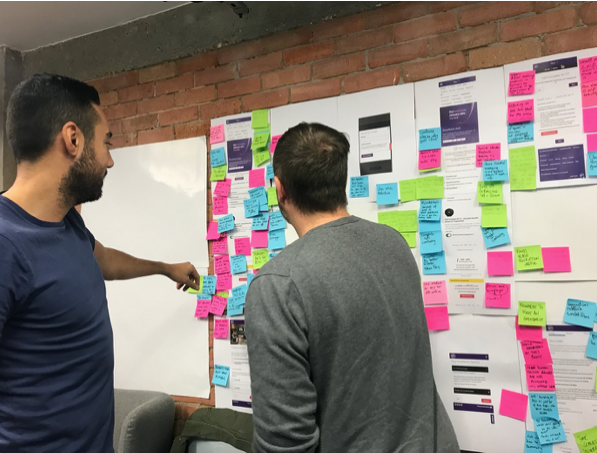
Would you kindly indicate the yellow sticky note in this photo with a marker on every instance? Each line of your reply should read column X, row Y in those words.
column 494, row 216
column 219, row 173
column 260, row 119
column 523, row 168
column 260, row 139
column 260, row 257
column 489, row 192
column 401, row 221
column 587, row 440
column 261, row 156
column 528, row 258
column 272, row 197
column 531, row 313
column 430, row 188
column 411, row 239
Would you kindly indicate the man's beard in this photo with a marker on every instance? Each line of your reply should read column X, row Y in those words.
column 84, row 180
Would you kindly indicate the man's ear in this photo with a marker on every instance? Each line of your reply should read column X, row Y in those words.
column 280, row 190
column 72, row 139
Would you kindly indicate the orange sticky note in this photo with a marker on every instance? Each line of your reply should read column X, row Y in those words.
column 521, row 111
column 216, row 134
column 540, row 377
column 528, row 332
column 497, row 295
column 500, row 263
column 490, row 151
column 430, row 159
column 536, row 352
column 435, row 292
column 437, row 318
column 556, row 259
column 514, row 404
column 221, row 328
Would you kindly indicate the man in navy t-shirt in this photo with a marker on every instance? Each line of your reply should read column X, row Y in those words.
column 56, row 349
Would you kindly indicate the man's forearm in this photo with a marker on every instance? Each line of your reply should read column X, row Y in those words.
column 123, row 266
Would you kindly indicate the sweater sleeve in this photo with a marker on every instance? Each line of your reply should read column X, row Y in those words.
column 284, row 397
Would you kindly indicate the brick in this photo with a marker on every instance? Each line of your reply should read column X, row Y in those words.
column 365, row 40
column 502, row 54
column 372, row 79
column 139, row 123
column 440, row 7
column 467, row 38
column 196, row 62
column 108, row 98
column 541, row 23
column 159, row 72
column 195, row 96
column 490, row 11
column 338, row 27
column 316, row 90
column 115, row 127
column 288, row 76
column 189, row 130
column 588, row 13
column 177, row 116
column 432, row 25
column 219, row 108
column 398, row 12
column 114, row 82
column 155, row 135
column 265, row 100
column 437, row 67
column 121, row 110
column 174, row 84
column 239, row 87
column 338, row 66
column 182, row 411
column 259, row 65
column 156, row 104
column 566, row 41
column 214, row 75
column 137, row 92
column 398, row 53
column 122, row 141
column 544, row 6
column 311, row 52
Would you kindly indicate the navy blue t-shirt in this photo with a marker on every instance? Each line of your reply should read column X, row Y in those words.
column 56, row 344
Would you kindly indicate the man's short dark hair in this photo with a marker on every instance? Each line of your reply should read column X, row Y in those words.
column 40, row 106
column 311, row 161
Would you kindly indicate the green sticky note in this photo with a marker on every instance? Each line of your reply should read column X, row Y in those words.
column 587, row 440
column 260, row 119
column 408, row 190
column 523, row 168
column 430, row 188
column 260, row 139
column 261, row 156
column 531, row 313
column 489, row 192
column 272, row 197
column 494, row 216
column 223, row 294
column 528, row 258
column 260, row 257
column 401, row 221
column 411, row 239
column 219, row 173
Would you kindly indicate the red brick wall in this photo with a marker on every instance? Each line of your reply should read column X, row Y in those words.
column 399, row 43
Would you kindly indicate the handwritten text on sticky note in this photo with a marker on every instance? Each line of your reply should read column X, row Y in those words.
column 490, row 151
column 497, row 295
column 521, row 83
column 531, row 313
column 216, row 134
column 435, row 292
column 221, row 328
column 521, row 111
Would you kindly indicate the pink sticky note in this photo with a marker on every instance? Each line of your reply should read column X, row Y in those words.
column 514, row 405
column 540, row 377
column 435, row 292
column 497, row 295
column 259, row 239
column 221, row 328
column 275, row 139
column 256, row 178
column 556, row 259
column 589, row 120
column 521, row 83
column 242, row 246
column 588, row 69
column 216, row 134
column 500, row 263
column 536, row 352
column 224, row 282
column 490, row 151
column 220, row 205
column 202, row 309
column 220, row 246
column 591, row 143
column 437, row 318
column 521, row 111
column 222, row 265
column 588, row 92
column 528, row 332
column 430, row 159
column 223, row 188
column 212, row 231
column 218, row 305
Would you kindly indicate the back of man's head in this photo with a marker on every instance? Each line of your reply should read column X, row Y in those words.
column 40, row 106
column 311, row 162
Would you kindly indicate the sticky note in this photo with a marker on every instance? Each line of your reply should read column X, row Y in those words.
column 240, row 291
column 556, row 259
column 592, row 346
column 521, row 132
column 410, row 238
column 259, row 239
column 220, row 246
column 430, row 138
column 430, row 160
column 261, row 156
column 533, row 445
column 256, row 178
column 238, row 264
column 216, row 134
column 528, row 332
column 217, row 157
column 497, row 295
column 218, row 173
column 202, row 308
column 402, row 221
column 521, row 111
column 235, row 306
column 226, row 223
column 588, row 92
column 550, row 431
column 434, row 263
column 209, row 284
column 580, row 313
column 274, row 143
column 359, row 186
column 544, row 405
column 260, row 223
column 528, row 258
column 269, row 172
column 221, row 328
column 531, row 313
column 540, row 378
column 430, row 242
column 260, row 119
column 536, row 352
column 494, row 216
column 435, row 292
column 431, row 187
column 494, row 237
column 489, row 192
column 221, row 374
column 242, row 246
column 521, row 83
column 218, row 305
column 437, row 318
column 224, row 282
column 272, row 197
column 591, row 142
column 588, row 69
column 513, row 404
column 589, row 117
column 592, row 164
column 220, row 205
column 222, row 264
column 250, row 278
column 490, row 151
column 427, row 226
column 259, row 194
column 212, row 231
column 430, row 210
column 387, row 193
column 223, row 188
column 260, row 257
column 523, row 168
column 586, row 440
column 495, row 170
column 276, row 221
column 500, row 263
column 251, row 206
column 223, row 294
column 276, row 240
column 260, row 139
column 408, row 190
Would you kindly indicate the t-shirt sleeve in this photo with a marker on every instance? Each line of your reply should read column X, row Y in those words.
column 76, row 218
column 283, row 395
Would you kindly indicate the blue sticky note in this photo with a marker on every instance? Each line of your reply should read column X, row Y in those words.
column 251, row 207
column 240, row 291
column 430, row 242
column 263, row 208
column 276, row 221
column 580, row 313
column 533, row 445
column 260, row 222
column 495, row 170
column 238, row 264
column 544, row 405
column 276, row 240
column 235, row 306
column 550, row 431
column 434, row 263
column 203, row 297
column 521, row 132
column 387, row 193
column 426, row 227
column 592, row 346
column 430, row 138
column 221, row 374
column 592, row 163
column 269, row 172
column 209, row 284
column 250, row 278
column 430, row 210
column 217, row 157
column 359, row 186
column 226, row 223
column 259, row 194
column 494, row 237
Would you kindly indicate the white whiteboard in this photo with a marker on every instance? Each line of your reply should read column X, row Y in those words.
column 154, row 207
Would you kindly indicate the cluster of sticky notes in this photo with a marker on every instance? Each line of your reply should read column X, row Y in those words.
column 531, row 313
column 435, row 292
column 536, row 352
column 586, row 440
column 437, row 318
column 494, row 237
column 387, row 194
column 521, row 111
column 430, row 138
column 580, row 313
column 513, row 404
column 523, row 168
column 221, row 328
column 497, row 295
column 528, row 258
column 521, row 132
column 494, row 216
column 520, row 83
column 485, row 152
column 489, row 192
column 495, row 170
column 359, row 186
column 202, row 307
column 261, row 136
column 430, row 160
column 221, row 374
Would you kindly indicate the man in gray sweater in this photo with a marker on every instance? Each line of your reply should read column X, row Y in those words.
column 338, row 343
